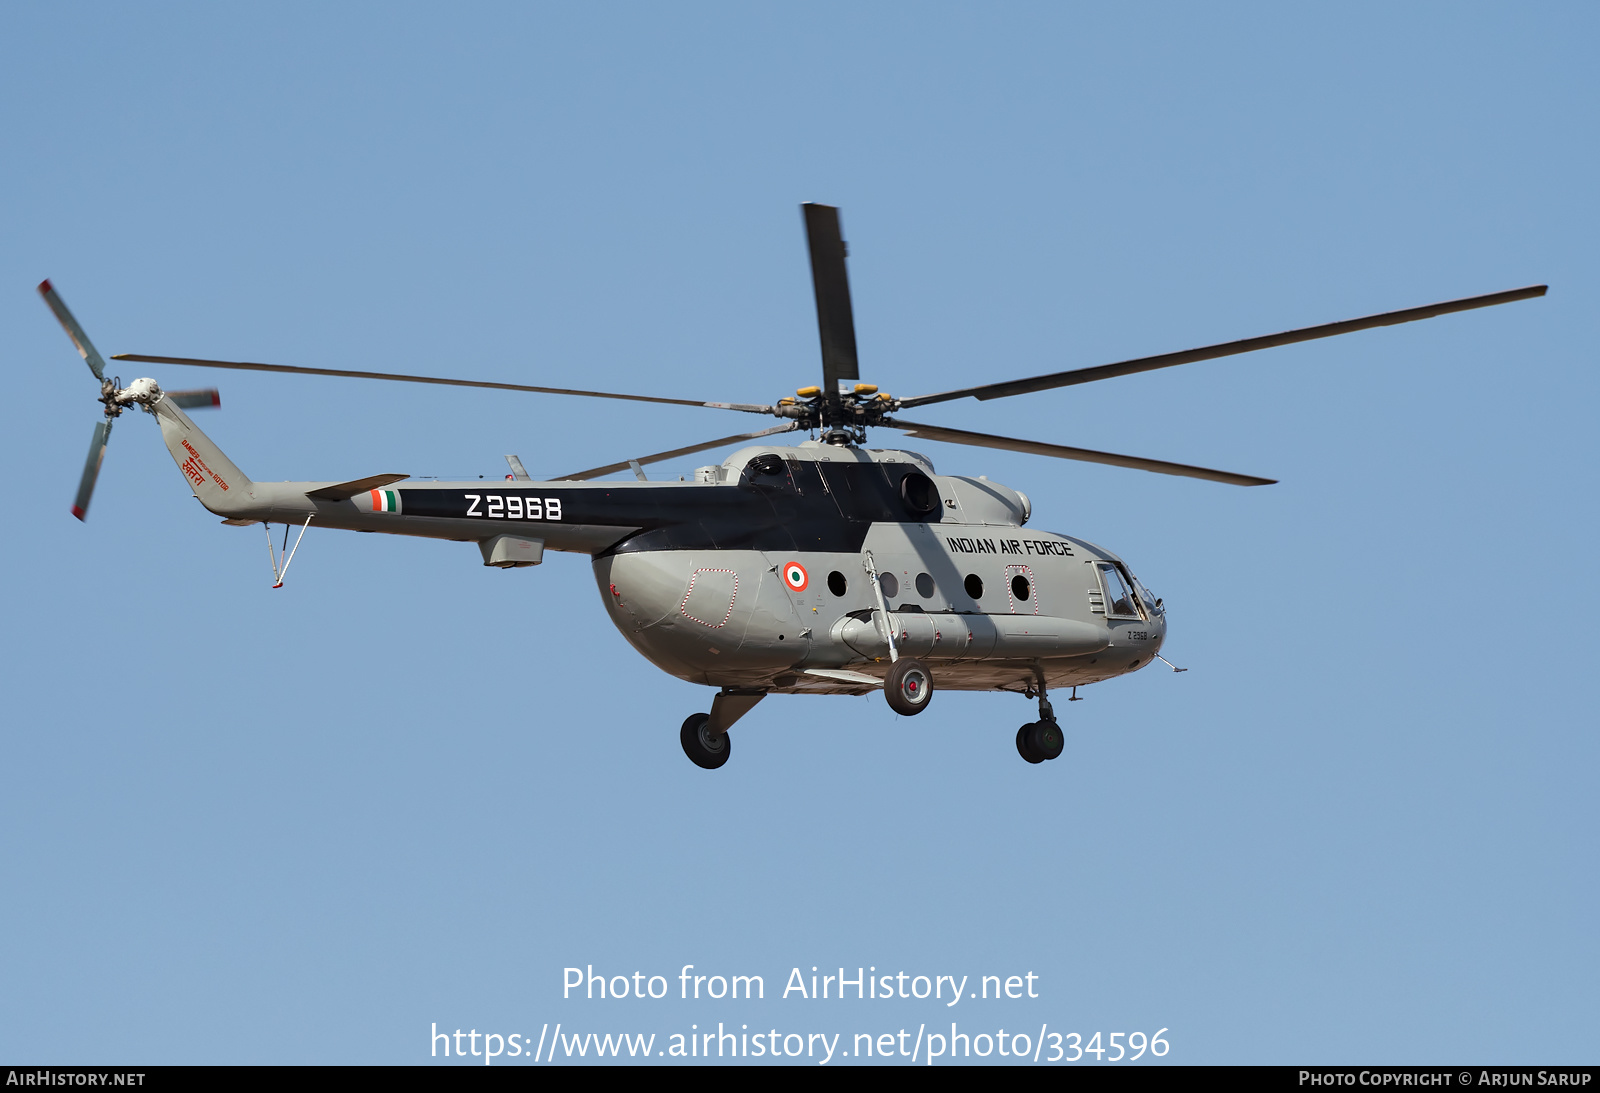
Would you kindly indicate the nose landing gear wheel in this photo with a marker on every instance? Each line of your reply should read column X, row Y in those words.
column 908, row 687
column 703, row 747
column 1038, row 741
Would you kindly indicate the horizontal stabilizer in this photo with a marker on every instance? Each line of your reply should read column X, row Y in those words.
column 343, row 491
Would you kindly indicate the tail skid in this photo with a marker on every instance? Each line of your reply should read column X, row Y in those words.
column 280, row 569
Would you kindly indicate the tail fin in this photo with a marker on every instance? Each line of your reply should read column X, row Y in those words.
column 220, row 486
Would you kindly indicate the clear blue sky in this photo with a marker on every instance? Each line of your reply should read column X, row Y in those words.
column 242, row 825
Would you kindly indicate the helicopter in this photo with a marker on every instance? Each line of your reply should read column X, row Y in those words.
column 823, row 567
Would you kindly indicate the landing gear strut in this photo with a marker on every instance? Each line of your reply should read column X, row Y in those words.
column 1043, row 739
column 704, row 736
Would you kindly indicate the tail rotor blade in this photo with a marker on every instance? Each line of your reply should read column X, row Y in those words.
column 91, row 469
column 86, row 349
column 199, row 399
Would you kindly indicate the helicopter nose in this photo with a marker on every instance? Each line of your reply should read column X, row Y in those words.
column 641, row 589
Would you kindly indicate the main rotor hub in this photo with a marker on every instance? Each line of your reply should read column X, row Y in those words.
column 842, row 418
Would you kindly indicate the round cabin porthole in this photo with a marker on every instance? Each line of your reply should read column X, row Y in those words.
column 974, row 586
column 890, row 586
column 837, row 583
column 1019, row 587
column 925, row 587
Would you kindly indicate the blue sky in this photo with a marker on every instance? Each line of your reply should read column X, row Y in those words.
column 304, row 825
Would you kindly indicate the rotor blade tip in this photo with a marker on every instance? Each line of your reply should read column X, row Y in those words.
column 45, row 287
column 76, row 511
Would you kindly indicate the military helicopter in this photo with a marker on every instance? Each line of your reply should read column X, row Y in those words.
column 824, row 567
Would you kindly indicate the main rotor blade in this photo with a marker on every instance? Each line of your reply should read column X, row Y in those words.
column 252, row 366
column 91, row 469
column 596, row 472
column 1225, row 349
column 86, row 349
column 836, row 324
column 1083, row 455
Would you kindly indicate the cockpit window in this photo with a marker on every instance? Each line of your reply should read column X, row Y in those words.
column 1149, row 601
column 1121, row 603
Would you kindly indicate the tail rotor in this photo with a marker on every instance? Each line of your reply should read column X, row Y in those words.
column 113, row 396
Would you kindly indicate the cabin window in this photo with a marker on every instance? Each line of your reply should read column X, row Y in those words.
column 925, row 586
column 974, row 586
column 1121, row 603
column 837, row 583
column 890, row 586
column 1023, row 597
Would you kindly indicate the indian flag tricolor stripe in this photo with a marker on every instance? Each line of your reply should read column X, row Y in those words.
column 385, row 500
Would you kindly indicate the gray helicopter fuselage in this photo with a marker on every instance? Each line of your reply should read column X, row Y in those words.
column 986, row 603
column 757, row 575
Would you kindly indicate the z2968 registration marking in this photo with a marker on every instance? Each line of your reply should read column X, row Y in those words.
column 513, row 507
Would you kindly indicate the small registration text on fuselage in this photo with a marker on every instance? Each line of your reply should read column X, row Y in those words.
column 964, row 545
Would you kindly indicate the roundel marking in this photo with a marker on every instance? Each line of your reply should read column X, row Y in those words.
column 795, row 576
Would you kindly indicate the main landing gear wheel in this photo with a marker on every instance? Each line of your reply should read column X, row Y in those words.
column 1038, row 741
column 703, row 747
column 908, row 687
